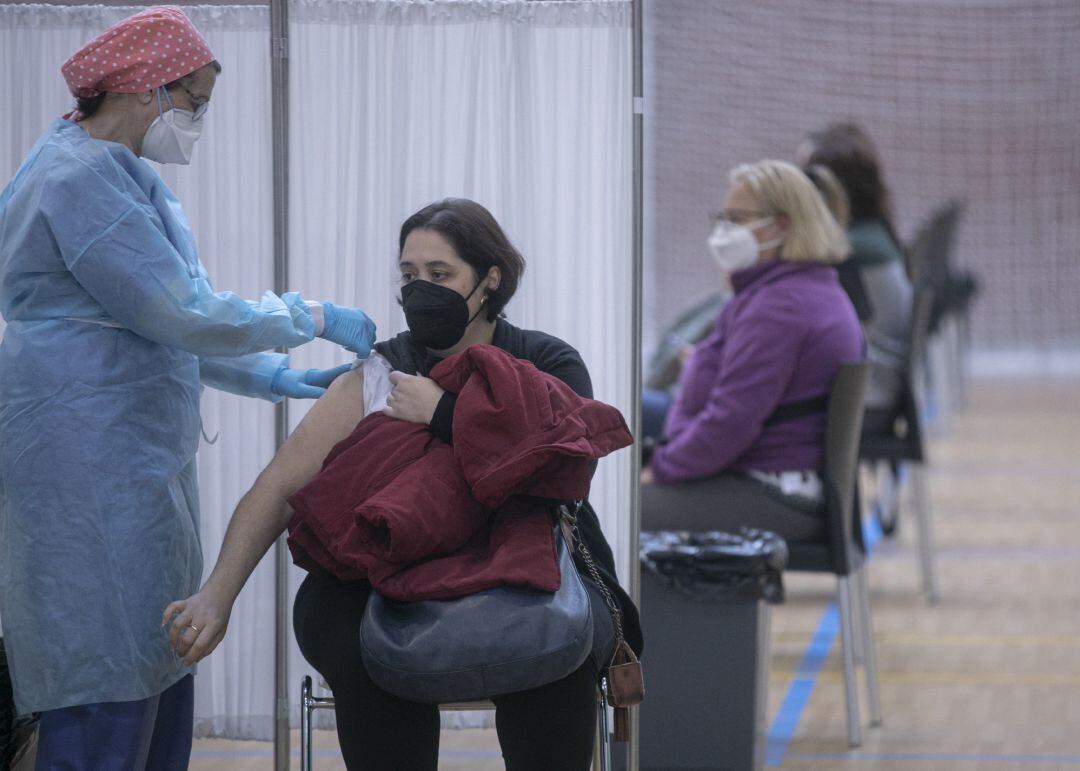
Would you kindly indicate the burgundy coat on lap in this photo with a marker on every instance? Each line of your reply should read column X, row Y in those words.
column 421, row 519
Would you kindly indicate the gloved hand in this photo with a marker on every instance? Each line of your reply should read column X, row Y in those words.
column 305, row 383
column 348, row 327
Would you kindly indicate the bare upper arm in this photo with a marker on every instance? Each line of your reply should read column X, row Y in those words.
column 331, row 419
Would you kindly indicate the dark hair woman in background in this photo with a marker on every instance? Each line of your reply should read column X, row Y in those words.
column 876, row 253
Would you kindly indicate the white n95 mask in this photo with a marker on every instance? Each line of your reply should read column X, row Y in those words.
column 734, row 247
column 172, row 136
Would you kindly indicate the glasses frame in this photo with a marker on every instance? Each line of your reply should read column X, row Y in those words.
column 200, row 107
column 737, row 216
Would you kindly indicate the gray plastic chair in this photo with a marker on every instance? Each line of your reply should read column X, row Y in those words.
column 309, row 703
column 844, row 553
column 895, row 436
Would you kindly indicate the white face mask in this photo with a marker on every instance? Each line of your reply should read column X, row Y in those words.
column 734, row 247
column 172, row 135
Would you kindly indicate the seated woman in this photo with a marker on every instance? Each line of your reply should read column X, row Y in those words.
column 876, row 254
column 458, row 271
column 744, row 438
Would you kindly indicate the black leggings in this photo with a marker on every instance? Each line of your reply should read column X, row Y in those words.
column 547, row 728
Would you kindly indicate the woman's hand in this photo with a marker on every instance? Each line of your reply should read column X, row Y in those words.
column 647, row 477
column 198, row 624
column 413, row 399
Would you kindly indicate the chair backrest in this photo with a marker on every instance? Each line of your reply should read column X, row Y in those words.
column 895, row 432
column 922, row 305
column 842, row 432
column 930, row 251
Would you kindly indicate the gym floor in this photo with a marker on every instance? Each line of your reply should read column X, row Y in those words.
column 989, row 678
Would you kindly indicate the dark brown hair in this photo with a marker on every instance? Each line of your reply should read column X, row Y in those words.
column 478, row 240
column 846, row 150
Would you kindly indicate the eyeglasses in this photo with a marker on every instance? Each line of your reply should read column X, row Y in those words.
column 200, row 107
column 736, row 216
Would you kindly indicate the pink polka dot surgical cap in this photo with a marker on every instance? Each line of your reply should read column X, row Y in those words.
column 140, row 53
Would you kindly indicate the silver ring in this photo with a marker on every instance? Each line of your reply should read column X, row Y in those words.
column 192, row 626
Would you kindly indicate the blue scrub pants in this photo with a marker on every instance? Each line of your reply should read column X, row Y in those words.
column 152, row 734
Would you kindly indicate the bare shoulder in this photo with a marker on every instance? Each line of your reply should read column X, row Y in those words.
column 344, row 399
column 337, row 411
column 351, row 384
column 331, row 419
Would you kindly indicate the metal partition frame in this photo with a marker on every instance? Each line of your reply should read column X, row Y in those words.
column 638, row 273
column 279, row 52
column 279, row 106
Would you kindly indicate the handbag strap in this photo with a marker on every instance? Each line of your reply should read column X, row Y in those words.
column 624, row 685
column 578, row 543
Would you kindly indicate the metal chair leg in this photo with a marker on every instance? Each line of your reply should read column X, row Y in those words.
column 964, row 327
column 859, row 646
column 888, row 497
column 847, row 644
column 957, row 361
column 602, row 753
column 305, row 724
column 938, row 372
column 310, row 703
column 862, row 587
column 926, row 532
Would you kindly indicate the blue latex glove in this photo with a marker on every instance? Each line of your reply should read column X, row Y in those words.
column 305, row 383
column 348, row 327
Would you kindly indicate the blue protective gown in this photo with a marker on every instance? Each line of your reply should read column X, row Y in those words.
column 99, row 424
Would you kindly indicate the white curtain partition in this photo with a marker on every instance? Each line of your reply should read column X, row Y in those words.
column 523, row 106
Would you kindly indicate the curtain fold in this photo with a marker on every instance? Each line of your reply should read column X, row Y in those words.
column 522, row 106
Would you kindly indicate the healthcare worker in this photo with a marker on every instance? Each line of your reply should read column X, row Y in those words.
column 112, row 327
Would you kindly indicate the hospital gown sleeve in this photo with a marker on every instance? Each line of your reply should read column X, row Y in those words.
column 116, row 249
column 250, row 375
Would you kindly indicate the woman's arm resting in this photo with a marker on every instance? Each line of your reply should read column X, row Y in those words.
column 261, row 516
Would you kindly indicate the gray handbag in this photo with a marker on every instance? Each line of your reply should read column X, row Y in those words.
column 497, row 641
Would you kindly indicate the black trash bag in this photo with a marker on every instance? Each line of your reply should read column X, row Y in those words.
column 15, row 732
column 716, row 565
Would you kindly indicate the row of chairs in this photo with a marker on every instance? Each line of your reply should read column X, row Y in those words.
column 949, row 331
column 935, row 371
column 889, row 440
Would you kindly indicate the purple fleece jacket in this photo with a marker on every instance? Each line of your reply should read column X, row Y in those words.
column 780, row 339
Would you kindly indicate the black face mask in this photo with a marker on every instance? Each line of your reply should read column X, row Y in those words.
column 437, row 315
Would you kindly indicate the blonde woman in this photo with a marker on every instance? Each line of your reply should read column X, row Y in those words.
column 744, row 439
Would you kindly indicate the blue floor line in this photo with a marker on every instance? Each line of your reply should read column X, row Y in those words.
column 933, row 757
column 871, row 534
column 798, row 694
